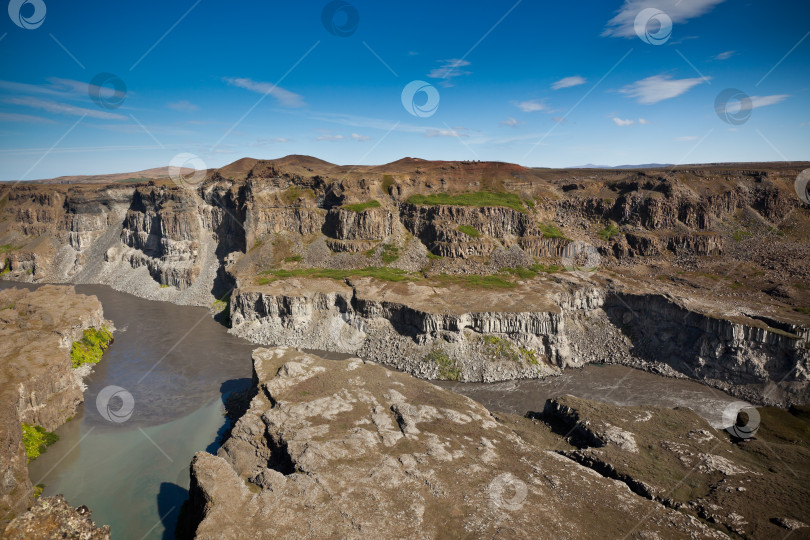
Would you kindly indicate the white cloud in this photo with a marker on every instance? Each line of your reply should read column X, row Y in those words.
column 448, row 70
column 511, row 122
column 620, row 122
column 531, row 106
column 686, row 138
column 358, row 137
column 330, row 138
column 568, row 82
column 643, row 121
column 559, row 119
column 284, row 97
column 764, row 101
column 183, row 106
column 457, row 132
column 724, row 55
column 24, row 118
column 623, row 24
column 277, row 140
column 660, row 87
column 64, row 108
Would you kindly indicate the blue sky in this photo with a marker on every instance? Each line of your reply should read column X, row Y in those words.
column 539, row 83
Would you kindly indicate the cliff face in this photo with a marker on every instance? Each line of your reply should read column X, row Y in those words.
column 37, row 383
column 733, row 234
column 554, row 326
column 745, row 355
column 349, row 449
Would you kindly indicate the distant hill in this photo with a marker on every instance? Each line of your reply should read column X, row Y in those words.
column 641, row 166
column 159, row 173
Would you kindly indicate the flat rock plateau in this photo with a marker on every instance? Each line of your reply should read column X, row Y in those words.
column 462, row 271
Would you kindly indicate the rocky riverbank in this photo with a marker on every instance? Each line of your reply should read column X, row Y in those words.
column 351, row 449
column 39, row 385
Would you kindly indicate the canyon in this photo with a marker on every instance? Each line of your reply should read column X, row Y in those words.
column 465, row 272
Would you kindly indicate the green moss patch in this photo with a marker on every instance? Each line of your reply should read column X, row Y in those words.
column 90, row 348
column 390, row 253
column 469, row 231
column 551, row 231
column 448, row 369
column 381, row 273
column 359, row 207
column 478, row 198
column 36, row 440
column 608, row 232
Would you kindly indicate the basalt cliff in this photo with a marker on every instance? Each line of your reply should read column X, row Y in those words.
column 457, row 270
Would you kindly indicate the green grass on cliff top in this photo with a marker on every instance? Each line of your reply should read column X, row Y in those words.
column 36, row 440
column 381, row 273
column 359, row 207
column 478, row 198
column 90, row 348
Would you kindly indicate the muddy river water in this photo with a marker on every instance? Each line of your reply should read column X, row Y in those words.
column 178, row 364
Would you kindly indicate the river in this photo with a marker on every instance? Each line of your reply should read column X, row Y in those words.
column 178, row 364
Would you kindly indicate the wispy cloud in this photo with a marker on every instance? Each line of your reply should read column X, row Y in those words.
column 643, row 121
column 619, row 122
column 358, row 137
column 511, row 122
column 724, row 55
column 623, row 24
column 660, row 87
column 531, row 105
column 331, row 138
column 261, row 141
column 764, row 101
column 568, row 82
column 455, row 132
column 284, row 97
column 64, row 108
column 686, row 138
column 448, row 70
column 183, row 106
column 24, row 118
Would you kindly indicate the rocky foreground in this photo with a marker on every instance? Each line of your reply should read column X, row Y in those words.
column 350, row 449
column 39, row 387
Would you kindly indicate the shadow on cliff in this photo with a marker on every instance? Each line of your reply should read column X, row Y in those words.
column 169, row 500
column 174, row 506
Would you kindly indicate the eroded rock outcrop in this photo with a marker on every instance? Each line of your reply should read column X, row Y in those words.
column 350, row 449
column 38, row 385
